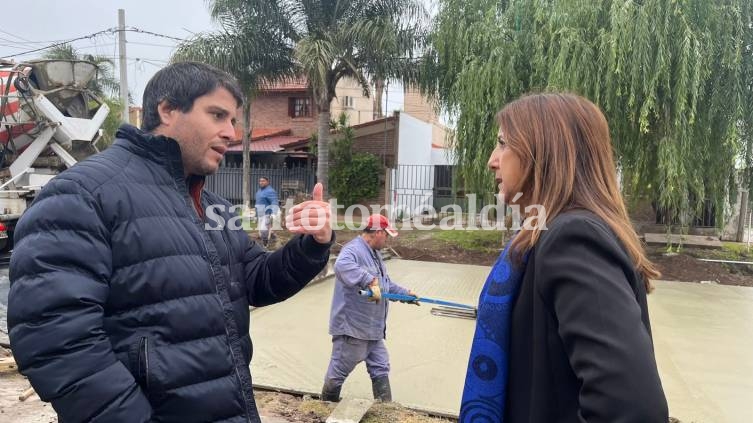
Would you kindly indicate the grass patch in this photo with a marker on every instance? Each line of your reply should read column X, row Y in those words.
column 392, row 412
column 737, row 249
column 481, row 240
column 316, row 408
column 730, row 251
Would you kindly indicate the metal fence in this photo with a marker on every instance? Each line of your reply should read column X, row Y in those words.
column 287, row 181
column 418, row 189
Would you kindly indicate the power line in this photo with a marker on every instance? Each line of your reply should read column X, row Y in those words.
column 27, row 44
column 16, row 36
column 135, row 29
column 10, row 45
column 154, row 62
column 151, row 45
column 143, row 59
column 96, row 46
column 92, row 35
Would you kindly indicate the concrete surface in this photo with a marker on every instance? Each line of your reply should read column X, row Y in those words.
column 350, row 410
column 272, row 419
column 687, row 240
column 703, row 336
column 429, row 354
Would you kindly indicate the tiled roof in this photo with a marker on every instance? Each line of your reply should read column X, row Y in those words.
column 270, row 144
column 260, row 133
column 290, row 85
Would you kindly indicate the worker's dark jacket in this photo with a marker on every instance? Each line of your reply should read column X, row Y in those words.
column 124, row 307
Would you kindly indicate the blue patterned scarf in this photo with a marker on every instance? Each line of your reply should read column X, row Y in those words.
column 485, row 388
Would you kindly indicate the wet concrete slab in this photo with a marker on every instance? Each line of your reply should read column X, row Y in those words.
column 703, row 337
column 428, row 353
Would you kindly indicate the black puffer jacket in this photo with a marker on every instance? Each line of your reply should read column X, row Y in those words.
column 125, row 308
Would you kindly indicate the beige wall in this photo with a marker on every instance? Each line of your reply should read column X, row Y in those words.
column 362, row 109
column 418, row 106
column 135, row 116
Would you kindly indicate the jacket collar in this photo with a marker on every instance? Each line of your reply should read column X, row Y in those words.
column 365, row 244
column 164, row 151
column 157, row 148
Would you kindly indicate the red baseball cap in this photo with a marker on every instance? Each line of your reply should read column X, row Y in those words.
column 377, row 221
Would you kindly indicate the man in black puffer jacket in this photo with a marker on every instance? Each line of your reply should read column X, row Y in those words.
column 129, row 299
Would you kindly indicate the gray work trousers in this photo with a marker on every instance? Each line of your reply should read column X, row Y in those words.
column 347, row 352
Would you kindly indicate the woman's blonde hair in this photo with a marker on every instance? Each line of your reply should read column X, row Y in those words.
column 564, row 146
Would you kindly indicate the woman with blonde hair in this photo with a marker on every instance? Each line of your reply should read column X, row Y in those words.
column 563, row 332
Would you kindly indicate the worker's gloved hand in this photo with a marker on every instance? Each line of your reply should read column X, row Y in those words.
column 376, row 292
column 412, row 294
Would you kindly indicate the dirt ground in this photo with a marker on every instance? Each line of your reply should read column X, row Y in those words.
column 425, row 246
column 32, row 410
column 686, row 266
column 308, row 410
column 483, row 248
column 271, row 404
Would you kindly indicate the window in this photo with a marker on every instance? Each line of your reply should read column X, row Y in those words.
column 348, row 102
column 299, row 107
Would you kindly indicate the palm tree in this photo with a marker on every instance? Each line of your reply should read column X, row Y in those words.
column 325, row 41
column 104, row 84
column 366, row 40
column 250, row 48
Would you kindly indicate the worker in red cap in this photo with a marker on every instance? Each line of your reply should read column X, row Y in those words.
column 358, row 324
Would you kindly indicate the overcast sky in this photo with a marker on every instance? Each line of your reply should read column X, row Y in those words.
column 44, row 22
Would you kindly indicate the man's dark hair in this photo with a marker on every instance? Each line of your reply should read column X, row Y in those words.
column 180, row 84
column 265, row 178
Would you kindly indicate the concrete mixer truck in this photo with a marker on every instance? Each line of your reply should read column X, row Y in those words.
column 49, row 120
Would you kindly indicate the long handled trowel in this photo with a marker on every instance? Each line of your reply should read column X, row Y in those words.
column 447, row 308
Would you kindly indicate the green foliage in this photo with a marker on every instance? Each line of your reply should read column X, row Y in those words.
column 673, row 78
column 111, row 124
column 313, row 143
column 486, row 241
column 354, row 177
column 365, row 40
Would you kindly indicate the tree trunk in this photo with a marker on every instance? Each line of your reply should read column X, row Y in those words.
column 246, row 157
column 378, row 90
column 322, row 163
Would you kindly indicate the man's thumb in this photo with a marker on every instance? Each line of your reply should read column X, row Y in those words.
column 318, row 192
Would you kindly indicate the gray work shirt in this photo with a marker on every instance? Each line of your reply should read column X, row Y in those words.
column 354, row 315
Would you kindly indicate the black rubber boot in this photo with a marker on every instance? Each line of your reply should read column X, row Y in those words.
column 331, row 392
column 381, row 388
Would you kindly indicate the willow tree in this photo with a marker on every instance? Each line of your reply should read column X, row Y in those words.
column 673, row 78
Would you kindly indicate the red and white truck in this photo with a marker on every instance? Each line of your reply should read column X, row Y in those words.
column 49, row 120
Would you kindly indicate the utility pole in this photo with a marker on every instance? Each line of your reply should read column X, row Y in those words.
column 123, row 66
